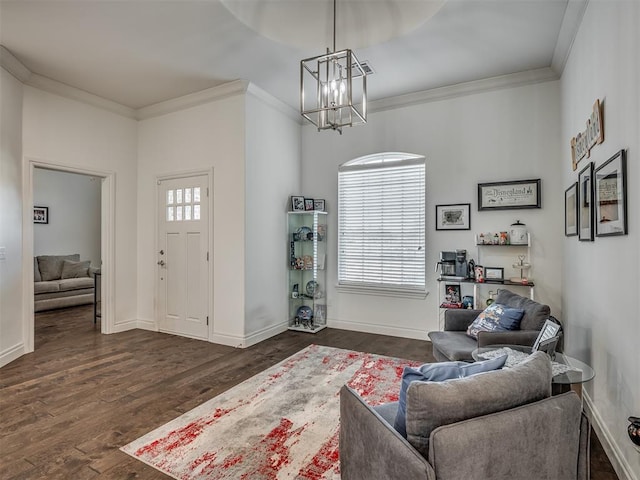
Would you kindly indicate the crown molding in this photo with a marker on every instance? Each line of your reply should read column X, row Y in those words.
column 272, row 101
column 64, row 90
column 12, row 65
column 571, row 22
column 229, row 89
column 468, row 88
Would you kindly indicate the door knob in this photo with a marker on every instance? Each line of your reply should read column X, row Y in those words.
column 161, row 263
column 161, row 252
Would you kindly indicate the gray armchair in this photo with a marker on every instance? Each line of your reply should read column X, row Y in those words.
column 495, row 425
column 453, row 344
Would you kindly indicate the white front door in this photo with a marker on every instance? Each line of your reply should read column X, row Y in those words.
column 182, row 257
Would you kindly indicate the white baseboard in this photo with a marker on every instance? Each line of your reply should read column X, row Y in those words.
column 147, row 325
column 229, row 340
column 263, row 334
column 390, row 330
column 618, row 461
column 11, row 354
column 125, row 325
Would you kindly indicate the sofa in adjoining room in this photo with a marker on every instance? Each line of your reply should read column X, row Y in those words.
column 62, row 281
column 455, row 344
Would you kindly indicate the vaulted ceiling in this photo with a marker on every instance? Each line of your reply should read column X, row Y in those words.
column 141, row 52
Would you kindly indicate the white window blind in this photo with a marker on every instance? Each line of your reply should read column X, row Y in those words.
column 381, row 222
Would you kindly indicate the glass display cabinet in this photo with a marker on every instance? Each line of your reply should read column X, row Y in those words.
column 307, row 233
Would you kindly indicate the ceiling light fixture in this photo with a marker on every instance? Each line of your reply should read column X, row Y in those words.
column 333, row 88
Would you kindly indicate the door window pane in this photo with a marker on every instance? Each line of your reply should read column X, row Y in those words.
column 196, row 212
column 170, row 217
column 196, row 194
column 179, row 213
column 187, row 195
column 187, row 212
column 169, row 197
column 179, row 195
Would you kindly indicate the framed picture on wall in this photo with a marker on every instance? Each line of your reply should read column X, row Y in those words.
column 611, row 196
column 40, row 214
column 509, row 195
column 585, row 203
column 308, row 204
column 571, row 210
column 453, row 217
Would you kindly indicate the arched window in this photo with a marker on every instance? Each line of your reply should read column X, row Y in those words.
column 381, row 223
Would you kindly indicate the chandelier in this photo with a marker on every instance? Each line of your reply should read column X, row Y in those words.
column 333, row 88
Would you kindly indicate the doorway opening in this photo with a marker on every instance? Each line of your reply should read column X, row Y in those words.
column 70, row 228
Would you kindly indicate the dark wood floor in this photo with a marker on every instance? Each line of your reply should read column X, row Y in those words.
column 67, row 408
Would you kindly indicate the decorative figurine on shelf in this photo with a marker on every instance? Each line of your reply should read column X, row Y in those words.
column 295, row 291
column 490, row 300
column 504, row 238
column 308, row 262
column 479, row 273
column 467, row 301
column 299, row 264
column 304, row 316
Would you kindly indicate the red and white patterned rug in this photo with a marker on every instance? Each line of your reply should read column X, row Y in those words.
column 281, row 423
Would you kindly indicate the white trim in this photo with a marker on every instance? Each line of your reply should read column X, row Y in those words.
column 14, row 66
column 272, row 101
column 67, row 91
column 228, row 340
column 125, row 326
column 11, row 354
column 618, row 461
column 147, row 324
column 462, row 89
column 265, row 333
column 107, row 244
column 568, row 30
column 229, row 89
column 390, row 330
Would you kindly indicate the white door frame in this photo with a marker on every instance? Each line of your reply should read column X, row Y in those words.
column 156, row 286
column 107, row 244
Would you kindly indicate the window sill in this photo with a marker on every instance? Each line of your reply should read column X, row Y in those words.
column 382, row 291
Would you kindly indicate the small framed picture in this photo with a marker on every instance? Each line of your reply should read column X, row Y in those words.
column 40, row 214
column 308, row 204
column 297, row 204
column 453, row 217
column 571, row 210
column 493, row 274
column 318, row 204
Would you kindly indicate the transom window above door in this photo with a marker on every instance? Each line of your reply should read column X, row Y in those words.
column 183, row 204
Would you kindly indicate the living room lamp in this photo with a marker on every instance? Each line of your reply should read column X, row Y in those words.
column 333, row 88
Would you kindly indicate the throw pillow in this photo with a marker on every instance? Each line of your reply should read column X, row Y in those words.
column 437, row 372
column 51, row 265
column 496, row 318
column 71, row 269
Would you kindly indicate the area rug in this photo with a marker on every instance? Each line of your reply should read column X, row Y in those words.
column 281, row 423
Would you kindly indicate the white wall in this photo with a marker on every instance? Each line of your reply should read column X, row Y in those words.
column 601, row 278
column 74, row 214
column 72, row 134
column 507, row 134
column 208, row 136
column 272, row 175
column 11, row 291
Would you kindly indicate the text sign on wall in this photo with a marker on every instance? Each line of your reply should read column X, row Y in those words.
column 583, row 142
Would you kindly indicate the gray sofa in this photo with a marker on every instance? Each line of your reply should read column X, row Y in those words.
column 491, row 426
column 453, row 344
column 62, row 281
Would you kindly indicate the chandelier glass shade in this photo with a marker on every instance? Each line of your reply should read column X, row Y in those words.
column 333, row 89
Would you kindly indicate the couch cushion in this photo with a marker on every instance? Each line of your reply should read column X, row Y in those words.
column 496, row 318
column 454, row 345
column 437, row 372
column 36, row 271
column 45, row 287
column 535, row 314
column 75, row 283
column 71, row 269
column 51, row 265
column 432, row 404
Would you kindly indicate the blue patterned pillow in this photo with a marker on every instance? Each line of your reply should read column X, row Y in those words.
column 496, row 318
column 437, row 372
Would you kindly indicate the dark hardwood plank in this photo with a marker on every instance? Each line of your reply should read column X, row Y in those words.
column 67, row 408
